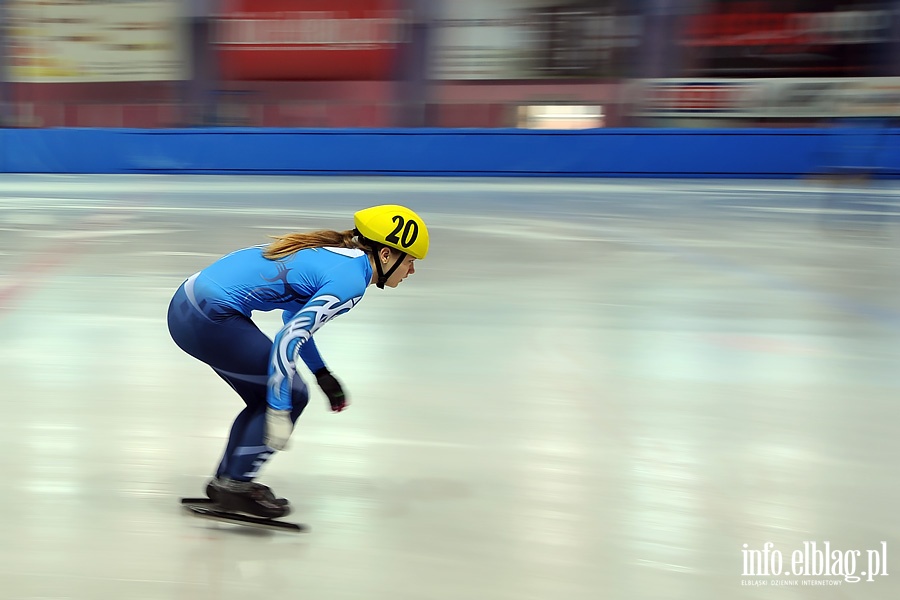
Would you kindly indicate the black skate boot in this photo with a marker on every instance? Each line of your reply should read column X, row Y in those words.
column 212, row 492
column 248, row 498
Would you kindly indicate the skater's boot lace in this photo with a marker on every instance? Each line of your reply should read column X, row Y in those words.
column 258, row 490
column 266, row 492
column 247, row 497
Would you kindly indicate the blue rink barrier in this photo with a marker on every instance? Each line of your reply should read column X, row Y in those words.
column 721, row 153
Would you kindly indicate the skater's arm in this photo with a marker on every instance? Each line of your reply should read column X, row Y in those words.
column 310, row 355
column 308, row 351
column 331, row 301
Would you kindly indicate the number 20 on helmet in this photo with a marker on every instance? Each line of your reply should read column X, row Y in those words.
column 395, row 226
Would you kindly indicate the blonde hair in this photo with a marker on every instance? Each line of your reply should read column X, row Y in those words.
column 289, row 243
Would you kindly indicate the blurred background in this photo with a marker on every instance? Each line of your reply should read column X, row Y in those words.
column 447, row 63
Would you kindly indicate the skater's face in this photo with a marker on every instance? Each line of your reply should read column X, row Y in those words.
column 407, row 267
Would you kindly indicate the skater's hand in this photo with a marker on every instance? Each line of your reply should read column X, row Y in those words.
column 278, row 428
column 332, row 388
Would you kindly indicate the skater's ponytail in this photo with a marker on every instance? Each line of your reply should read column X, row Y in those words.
column 289, row 243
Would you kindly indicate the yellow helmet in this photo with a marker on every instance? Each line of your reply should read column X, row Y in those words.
column 394, row 226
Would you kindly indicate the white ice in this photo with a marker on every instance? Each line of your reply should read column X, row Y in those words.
column 590, row 389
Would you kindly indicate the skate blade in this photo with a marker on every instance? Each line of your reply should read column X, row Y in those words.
column 211, row 513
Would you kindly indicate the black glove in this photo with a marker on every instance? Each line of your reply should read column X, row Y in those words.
column 332, row 388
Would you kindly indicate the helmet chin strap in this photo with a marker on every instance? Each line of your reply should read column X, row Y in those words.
column 383, row 277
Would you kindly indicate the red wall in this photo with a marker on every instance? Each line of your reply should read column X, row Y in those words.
column 304, row 40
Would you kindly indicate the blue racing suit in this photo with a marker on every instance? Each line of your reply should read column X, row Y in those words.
column 210, row 318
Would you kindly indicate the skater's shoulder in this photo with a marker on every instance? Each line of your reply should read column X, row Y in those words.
column 349, row 265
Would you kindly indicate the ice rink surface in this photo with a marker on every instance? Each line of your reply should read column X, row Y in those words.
column 590, row 389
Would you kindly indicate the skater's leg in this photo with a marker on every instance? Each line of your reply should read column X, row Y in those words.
column 238, row 352
column 234, row 488
column 247, row 452
column 254, row 396
column 238, row 428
